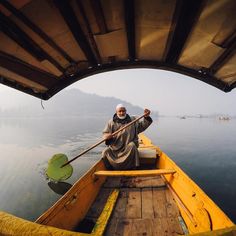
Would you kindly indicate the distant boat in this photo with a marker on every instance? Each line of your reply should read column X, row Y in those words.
column 224, row 118
column 183, row 117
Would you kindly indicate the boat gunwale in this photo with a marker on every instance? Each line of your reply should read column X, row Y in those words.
column 59, row 204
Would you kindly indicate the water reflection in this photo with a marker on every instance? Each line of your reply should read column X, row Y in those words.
column 59, row 187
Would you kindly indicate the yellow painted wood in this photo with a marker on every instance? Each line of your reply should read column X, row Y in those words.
column 181, row 204
column 116, row 173
column 231, row 231
column 102, row 221
column 68, row 211
column 194, row 199
column 13, row 226
column 198, row 208
column 144, row 141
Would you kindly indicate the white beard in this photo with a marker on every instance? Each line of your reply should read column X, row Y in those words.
column 122, row 117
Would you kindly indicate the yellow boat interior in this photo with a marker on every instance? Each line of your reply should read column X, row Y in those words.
column 47, row 45
column 158, row 199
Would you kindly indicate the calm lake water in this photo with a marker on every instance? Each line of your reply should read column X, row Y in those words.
column 204, row 148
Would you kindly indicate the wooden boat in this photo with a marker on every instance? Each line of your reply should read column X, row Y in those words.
column 48, row 45
column 158, row 199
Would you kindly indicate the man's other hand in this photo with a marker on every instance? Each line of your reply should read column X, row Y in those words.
column 147, row 112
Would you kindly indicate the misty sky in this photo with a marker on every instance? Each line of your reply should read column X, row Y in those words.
column 168, row 93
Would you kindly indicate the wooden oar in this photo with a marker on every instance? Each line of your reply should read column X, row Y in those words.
column 59, row 167
column 103, row 140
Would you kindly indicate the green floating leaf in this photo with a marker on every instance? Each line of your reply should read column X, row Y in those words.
column 55, row 171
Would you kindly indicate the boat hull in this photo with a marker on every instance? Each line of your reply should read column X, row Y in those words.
column 199, row 213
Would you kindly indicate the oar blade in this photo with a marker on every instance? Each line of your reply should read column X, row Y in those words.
column 57, row 173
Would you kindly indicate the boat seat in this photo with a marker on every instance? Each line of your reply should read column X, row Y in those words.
column 136, row 173
column 147, row 155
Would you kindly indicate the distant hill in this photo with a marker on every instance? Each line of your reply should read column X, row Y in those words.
column 70, row 103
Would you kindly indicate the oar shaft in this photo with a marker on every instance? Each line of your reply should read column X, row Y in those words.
column 82, row 153
column 129, row 124
column 101, row 141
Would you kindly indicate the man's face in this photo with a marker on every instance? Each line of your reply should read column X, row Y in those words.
column 121, row 112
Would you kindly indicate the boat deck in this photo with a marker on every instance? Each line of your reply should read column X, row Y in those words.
column 145, row 206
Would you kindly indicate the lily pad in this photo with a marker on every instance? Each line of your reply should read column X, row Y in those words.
column 57, row 173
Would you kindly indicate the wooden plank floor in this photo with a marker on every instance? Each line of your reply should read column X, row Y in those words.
column 145, row 207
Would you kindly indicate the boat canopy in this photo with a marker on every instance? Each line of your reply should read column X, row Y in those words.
column 46, row 45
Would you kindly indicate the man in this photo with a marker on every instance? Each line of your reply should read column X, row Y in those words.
column 122, row 152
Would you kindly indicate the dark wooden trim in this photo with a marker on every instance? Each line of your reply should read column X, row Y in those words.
column 129, row 13
column 57, row 85
column 17, row 86
column 204, row 77
column 99, row 15
column 176, row 14
column 16, row 34
column 224, row 57
column 90, row 33
column 35, row 28
column 70, row 18
column 185, row 16
column 232, row 86
column 22, row 39
column 226, row 42
column 230, row 40
column 27, row 71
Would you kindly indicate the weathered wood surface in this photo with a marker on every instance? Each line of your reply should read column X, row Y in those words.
column 133, row 209
column 147, row 204
column 145, row 207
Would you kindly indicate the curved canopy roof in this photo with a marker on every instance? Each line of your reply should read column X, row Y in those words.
column 46, row 45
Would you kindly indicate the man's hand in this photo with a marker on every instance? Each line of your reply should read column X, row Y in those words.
column 107, row 136
column 147, row 112
column 109, row 139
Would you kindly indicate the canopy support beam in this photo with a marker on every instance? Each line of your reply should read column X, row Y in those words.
column 27, row 71
column 6, row 81
column 99, row 15
column 185, row 16
column 129, row 11
column 70, row 18
column 224, row 57
column 35, row 28
column 22, row 39
column 90, row 33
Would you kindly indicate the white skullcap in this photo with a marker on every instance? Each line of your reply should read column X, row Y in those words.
column 119, row 106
